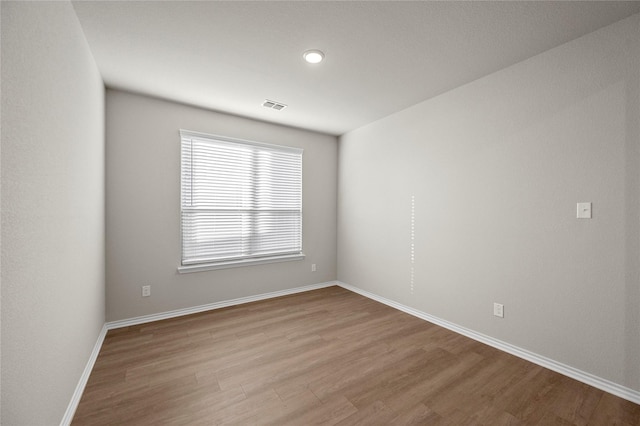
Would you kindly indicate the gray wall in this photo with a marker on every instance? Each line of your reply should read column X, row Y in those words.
column 143, row 208
column 52, row 210
column 497, row 167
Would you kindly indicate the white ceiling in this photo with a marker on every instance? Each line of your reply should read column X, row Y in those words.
column 381, row 57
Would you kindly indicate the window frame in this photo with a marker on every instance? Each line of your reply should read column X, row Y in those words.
column 250, row 259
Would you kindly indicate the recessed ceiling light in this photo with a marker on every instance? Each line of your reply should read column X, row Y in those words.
column 313, row 56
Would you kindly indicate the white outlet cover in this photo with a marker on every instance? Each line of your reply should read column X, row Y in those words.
column 583, row 211
column 498, row 310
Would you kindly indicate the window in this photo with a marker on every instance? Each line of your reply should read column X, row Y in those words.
column 241, row 202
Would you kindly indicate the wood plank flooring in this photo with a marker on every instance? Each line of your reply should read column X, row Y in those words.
column 330, row 357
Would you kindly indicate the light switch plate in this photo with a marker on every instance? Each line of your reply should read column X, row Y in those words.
column 584, row 211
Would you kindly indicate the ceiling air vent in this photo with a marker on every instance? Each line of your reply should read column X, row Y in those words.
column 273, row 105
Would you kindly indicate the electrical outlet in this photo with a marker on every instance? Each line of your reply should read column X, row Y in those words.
column 146, row 290
column 498, row 310
column 313, row 267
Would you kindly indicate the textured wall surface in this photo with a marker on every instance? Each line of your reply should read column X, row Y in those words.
column 143, row 208
column 52, row 209
column 496, row 168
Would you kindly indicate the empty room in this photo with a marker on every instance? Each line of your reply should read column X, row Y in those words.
column 320, row 212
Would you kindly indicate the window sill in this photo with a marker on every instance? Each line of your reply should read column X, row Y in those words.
column 238, row 263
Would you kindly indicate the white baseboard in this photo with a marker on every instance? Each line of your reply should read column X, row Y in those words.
column 211, row 306
column 582, row 376
column 77, row 394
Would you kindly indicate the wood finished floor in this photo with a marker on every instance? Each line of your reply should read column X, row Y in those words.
column 330, row 357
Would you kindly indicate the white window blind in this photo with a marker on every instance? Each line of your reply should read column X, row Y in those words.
column 240, row 200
